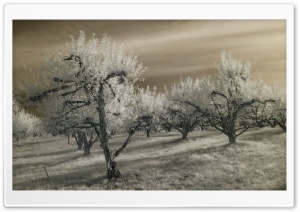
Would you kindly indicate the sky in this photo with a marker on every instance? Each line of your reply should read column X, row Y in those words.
column 170, row 49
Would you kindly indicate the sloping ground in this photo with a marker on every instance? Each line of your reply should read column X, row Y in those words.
column 204, row 161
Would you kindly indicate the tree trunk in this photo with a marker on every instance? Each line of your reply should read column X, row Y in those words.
column 78, row 141
column 86, row 145
column 68, row 138
column 111, row 165
column 231, row 139
column 273, row 124
column 148, row 133
column 283, row 126
column 87, row 149
column 128, row 140
column 185, row 134
column 202, row 127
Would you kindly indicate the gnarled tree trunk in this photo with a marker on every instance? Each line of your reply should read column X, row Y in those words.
column 68, row 138
column 185, row 134
column 79, row 141
column 232, row 139
column 148, row 132
column 111, row 165
column 87, row 150
column 86, row 144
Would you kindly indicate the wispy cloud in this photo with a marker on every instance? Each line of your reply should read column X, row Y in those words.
column 169, row 49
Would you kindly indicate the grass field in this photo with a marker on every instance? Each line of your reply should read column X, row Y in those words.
column 164, row 161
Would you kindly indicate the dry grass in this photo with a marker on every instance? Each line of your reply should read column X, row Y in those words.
column 204, row 161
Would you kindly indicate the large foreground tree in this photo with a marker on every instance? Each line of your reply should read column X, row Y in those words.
column 93, row 75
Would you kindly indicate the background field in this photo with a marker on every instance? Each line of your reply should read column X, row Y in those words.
column 164, row 161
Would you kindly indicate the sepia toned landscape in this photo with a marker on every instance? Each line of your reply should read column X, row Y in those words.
column 149, row 105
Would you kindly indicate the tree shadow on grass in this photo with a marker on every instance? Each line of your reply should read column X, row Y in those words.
column 93, row 176
column 169, row 142
column 33, row 143
column 54, row 153
column 164, row 135
column 209, row 150
column 257, row 136
column 95, row 173
column 69, row 160
column 78, row 177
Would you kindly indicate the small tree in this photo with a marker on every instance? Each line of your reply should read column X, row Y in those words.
column 149, row 106
column 62, row 119
column 179, row 115
column 232, row 96
column 24, row 124
column 88, row 138
column 229, row 99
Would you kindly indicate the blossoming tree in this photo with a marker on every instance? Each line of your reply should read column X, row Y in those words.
column 149, row 105
column 93, row 75
column 179, row 115
column 228, row 99
column 24, row 124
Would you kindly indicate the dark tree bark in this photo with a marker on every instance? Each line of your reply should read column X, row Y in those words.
column 148, row 132
column 231, row 139
column 185, row 134
column 87, row 150
column 87, row 144
column 131, row 133
column 83, row 138
column 79, row 141
column 111, row 165
column 68, row 138
column 283, row 126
